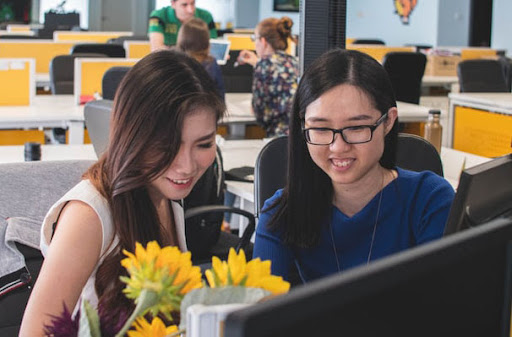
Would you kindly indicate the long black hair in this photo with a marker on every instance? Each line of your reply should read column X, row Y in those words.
column 307, row 196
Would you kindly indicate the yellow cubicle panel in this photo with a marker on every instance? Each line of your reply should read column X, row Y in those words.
column 377, row 51
column 349, row 40
column 20, row 137
column 43, row 51
column 89, row 74
column 482, row 132
column 136, row 49
column 18, row 28
column 87, row 37
column 477, row 53
column 243, row 41
column 17, row 81
column 240, row 41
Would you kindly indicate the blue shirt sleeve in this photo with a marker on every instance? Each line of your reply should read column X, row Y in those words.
column 268, row 245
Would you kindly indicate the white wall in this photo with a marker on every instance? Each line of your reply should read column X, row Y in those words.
column 502, row 26
column 377, row 19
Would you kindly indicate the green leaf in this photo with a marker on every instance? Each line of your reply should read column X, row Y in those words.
column 223, row 295
column 89, row 325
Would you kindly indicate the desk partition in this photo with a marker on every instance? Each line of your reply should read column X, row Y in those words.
column 477, row 53
column 87, row 37
column 89, row 74
column 43, row 51
column 136, row 49
column 17, row 81
column 378, row 52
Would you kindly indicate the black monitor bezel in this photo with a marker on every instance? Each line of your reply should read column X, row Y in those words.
column 267, row 318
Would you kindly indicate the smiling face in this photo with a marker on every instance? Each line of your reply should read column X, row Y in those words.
column 184, row 9
column 348, row 164
column 195, row 155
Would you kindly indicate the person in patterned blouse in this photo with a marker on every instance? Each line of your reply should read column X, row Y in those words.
column 275, row 74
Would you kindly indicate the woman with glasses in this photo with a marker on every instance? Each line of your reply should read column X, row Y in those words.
column 345, row 202
column 275, row 74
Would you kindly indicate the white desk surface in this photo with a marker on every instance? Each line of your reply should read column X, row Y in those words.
column 498, row 102
column 15, row 153
column 431, row 80
column 42, row 80
column 239, row 109
column 46, row 111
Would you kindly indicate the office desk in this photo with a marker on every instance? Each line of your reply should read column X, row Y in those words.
column 481, row 123
column 15, row 153
column 449, row 82
column 49, row 111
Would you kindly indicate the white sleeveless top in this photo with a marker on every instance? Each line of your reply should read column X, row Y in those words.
column 87, row 193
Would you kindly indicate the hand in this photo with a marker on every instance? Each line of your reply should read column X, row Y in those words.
column 247, row 57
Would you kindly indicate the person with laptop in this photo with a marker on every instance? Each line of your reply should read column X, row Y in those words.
column 275, row 74
column 345, row 203
column 165, row 23
column 164, row 123
column 194, row 40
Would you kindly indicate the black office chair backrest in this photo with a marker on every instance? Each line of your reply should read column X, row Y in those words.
column 368, row 41
column 417, row 154
column 62, row 72
column 111, row 79
column 111, row 50
column 406, row 71
column 481, row 75
column 270, row 171
column 236, row 79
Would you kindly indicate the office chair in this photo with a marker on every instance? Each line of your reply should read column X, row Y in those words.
column 415, row 153
column 29, row 190
column 506, row 66
column 204, row 212
column 368, row 41
column 270, row 171
column 111, row 50
column 406, row 71
column 97, row 121
column 62, row 72
column 236, row 79
column 111, row 80
column 481, row 75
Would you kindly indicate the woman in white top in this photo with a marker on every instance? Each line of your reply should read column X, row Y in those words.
column 162, row 139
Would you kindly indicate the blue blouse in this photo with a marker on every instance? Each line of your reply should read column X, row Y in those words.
column 414, row 209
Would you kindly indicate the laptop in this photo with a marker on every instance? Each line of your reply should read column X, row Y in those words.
column 219, row 49
column 97, row 120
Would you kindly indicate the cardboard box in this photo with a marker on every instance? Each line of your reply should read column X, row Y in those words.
column 442, row 65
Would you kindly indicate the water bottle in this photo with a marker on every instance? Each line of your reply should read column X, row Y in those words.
column 433, row 129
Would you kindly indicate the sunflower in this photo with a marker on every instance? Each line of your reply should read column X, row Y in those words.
column 157, row 328
column 159, row 278
column 237, row 272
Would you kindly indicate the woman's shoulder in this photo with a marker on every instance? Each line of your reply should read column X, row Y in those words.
column 424, row 180
column 267, row 206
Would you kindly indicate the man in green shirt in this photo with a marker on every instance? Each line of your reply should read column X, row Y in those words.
column 165, row 23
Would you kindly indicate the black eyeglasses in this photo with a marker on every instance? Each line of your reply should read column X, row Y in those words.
column 351, row 134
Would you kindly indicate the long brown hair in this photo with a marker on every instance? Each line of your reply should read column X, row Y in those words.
column 150, row 106
column 276, row 32
column 194, row 39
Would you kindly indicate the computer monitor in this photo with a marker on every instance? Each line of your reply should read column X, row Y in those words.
column 219, row 49
column 484, row 193
column 456, row 286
